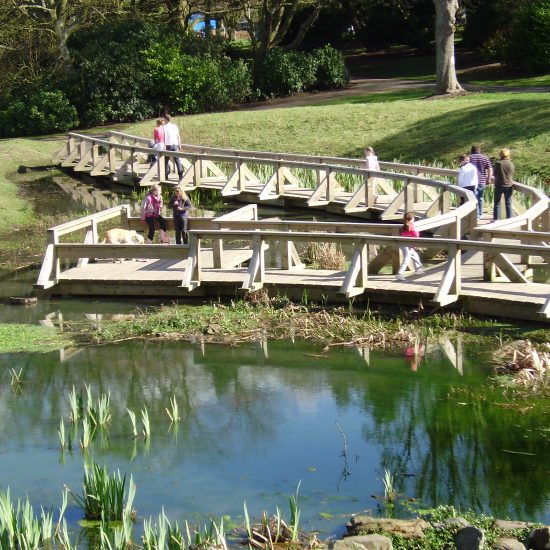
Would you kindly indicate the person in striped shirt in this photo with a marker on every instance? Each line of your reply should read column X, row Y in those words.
column 484, row 175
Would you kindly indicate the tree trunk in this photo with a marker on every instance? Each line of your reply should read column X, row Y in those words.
column 445, row 12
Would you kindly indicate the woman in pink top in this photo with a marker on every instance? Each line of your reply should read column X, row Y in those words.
column 151, row 211
column 409, row 252
column 158, row 139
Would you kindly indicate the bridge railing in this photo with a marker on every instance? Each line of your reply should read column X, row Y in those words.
column 356, row 277
column 428, row 197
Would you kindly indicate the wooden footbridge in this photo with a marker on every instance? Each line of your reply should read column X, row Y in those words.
column 499, row 268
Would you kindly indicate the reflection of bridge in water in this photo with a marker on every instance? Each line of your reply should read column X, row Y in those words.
column 498, row 268
column 450, row 348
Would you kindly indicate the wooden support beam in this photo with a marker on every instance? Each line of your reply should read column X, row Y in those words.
column 508, row 269
column 290, row 259
column 255, row 274
column 449, row 287
column 192, row 277
column 356, row 277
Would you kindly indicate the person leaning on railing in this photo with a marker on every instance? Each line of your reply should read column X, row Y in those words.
column 504, row 183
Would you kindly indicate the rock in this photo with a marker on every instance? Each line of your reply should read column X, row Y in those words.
column 407, row 528
column 451, row 523
column 508, row 544
column 539, row 539
column 469, row 538
column 507, row 525
column 214, row 328
column 362, row 542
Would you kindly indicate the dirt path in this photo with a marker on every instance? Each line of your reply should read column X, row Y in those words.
column 360, row 86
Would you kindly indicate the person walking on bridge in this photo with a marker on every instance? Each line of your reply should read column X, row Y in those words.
column 504, row 183
column 172, row 142
column 467, row 175
column 484, row 175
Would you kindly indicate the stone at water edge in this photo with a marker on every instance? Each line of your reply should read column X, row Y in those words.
column 539, row 539
column 407, row 528
column 509, row 525
column 508, row 544
column 469, row 538
column 362, row 542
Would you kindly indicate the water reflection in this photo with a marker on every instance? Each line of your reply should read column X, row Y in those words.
column 256, row 419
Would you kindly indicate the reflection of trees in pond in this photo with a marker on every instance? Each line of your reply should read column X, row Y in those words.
column 229, row 398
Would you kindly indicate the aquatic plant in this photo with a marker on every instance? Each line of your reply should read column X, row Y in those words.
column 103, row 495
column 528, row 364
column 145, row 422
column 87, row 434
column 388, row 480
column 21, row 528
column 61, row 433
column 163, row 535
column 132, row 416
column 325, row 256
column 75, row 405
column 173, row 412
column 274, row 529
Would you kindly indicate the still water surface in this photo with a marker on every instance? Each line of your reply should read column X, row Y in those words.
column 257, row 419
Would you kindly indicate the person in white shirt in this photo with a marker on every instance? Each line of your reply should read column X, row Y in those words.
column 172, row 142
column 371, row 160
column 467, row 175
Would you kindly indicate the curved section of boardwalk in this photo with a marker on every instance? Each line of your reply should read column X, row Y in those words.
column 491, row 273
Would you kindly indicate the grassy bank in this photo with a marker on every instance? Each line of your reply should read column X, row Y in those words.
column 17, row 154
column 435, row 130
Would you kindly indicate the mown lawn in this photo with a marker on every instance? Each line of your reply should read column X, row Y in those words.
column 411, row 130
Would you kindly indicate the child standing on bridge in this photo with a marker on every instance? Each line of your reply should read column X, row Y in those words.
column 180, row 205
column 409, row 252
column 151, row 209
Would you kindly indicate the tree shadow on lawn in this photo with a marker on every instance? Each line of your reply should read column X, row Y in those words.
column 493, row 126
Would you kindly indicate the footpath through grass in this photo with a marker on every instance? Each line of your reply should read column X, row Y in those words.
column 434, row 130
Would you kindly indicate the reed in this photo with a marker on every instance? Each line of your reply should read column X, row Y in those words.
column 132, row 416
column 390, row 494
column 274, row 529
column 20, row 528
column 103, row 495
column 87, row 433
column 61, row 433
column 145, row 422
column 173, row 411
column 75, row 405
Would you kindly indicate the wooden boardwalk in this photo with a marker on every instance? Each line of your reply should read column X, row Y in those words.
column 491, row 272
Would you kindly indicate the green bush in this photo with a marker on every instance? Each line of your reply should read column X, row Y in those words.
column 109, row 82
column 195, row 83
column 529, row 42
column 282, row 73
column 39, row 112
column 331, row 70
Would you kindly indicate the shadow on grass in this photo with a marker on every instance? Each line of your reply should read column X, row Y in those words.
column 493, row 125
column 379, row 97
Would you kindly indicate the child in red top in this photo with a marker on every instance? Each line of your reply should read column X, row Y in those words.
column 409, row 252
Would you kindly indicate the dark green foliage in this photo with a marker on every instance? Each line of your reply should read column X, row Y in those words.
column 37, row 112
column 109, row 82
column 331, row 70
column 529, row 43
column 194, row 83
column 282, row 73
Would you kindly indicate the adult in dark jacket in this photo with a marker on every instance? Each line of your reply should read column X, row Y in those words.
column 504, row 183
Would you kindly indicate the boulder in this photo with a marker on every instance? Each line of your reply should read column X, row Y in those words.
column 539, row 539
column 407, row 528
column 508, row 544
column 452, row 523
column 507, row 525
column 469, row 538
column 362, row 542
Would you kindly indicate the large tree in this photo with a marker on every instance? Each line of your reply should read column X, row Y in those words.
column 62, row 18
column 445, row 26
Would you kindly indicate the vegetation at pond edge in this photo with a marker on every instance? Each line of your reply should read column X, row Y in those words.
column 31, row 338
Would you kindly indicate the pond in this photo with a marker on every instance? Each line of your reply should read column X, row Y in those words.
column 259, row 419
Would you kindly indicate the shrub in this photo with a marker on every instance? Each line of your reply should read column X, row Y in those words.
column 331, row 70
column 109, row 82
column 282, row 73
column 192, row 84
column 529, row 43
column 38, row 112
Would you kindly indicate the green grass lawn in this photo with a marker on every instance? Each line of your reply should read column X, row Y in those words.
column 14, row 154
column 435, row 130
column 540, row 80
